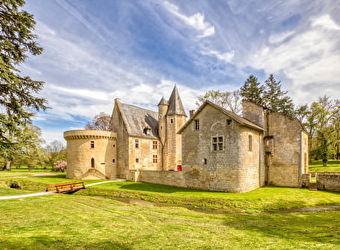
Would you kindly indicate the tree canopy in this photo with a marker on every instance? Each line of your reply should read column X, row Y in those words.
column 99, row 122
column 18, row 99
column 269, row 95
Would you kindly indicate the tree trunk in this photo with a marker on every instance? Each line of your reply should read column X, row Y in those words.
column 8, row 165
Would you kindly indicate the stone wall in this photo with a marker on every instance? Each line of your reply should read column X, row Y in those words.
column 329, row 181
column 286, row 158
column 170, row 178
column 142, row 157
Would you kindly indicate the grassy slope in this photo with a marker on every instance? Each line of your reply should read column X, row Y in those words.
column 79, row 222
column 92, row 220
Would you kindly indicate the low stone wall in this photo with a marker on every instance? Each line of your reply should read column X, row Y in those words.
column 170, row 178
column 329, row 181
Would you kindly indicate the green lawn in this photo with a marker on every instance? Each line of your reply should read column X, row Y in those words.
column 317, row 166
column 173, row 218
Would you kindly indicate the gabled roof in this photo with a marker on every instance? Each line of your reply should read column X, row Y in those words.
column 175, row 104
column 138, row 120
column 228, row 113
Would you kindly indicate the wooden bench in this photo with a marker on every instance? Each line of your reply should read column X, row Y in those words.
column 66, row 187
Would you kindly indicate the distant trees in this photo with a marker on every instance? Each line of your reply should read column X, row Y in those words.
column 228, row 100
column 55, row 151
column 322, row 120
column 26, row 149
column 99, row 122
column 17, row 93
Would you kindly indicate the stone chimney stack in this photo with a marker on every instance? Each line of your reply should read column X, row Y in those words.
column 192, row 112
column 254, row 113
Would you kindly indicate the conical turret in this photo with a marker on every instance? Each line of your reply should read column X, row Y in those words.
column 175, row 104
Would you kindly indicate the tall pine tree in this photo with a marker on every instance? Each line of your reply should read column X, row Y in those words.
column 252, row 90
column 18, row 100
column 276, row 99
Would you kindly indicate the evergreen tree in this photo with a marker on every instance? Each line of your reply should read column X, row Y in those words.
column 276, row 99
column 252, row 90
column 17, row 93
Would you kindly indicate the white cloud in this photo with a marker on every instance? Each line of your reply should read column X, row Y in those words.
column 196, row 21
column 326, row 22
column 307, row 58
column 226, row 57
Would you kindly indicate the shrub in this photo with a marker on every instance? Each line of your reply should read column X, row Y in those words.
column 59, row 166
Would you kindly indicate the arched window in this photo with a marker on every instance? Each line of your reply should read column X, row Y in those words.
column 92, row 162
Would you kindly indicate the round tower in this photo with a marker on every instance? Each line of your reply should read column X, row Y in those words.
column 162, row 111
column 91, row 154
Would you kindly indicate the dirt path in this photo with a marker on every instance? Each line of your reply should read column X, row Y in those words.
column 49, row 192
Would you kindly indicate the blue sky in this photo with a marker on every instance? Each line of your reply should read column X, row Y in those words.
column 137, row 50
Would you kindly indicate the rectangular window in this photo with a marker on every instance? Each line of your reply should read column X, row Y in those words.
column 154, row 158
column 154, row 144
column 171, row 120
column 137, row 160
column 250, row 139
column 197, row 124
column 136, row 143
column 217, row 143
column 92, row 144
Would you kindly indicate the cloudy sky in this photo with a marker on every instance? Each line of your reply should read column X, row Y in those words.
column 137, row 50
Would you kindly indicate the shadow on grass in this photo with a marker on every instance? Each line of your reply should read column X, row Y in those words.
column 150, row 187
column 316, row 227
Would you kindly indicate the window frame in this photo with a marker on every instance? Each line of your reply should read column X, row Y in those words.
column 154, row 158
column 217, row 143
column 197, row 124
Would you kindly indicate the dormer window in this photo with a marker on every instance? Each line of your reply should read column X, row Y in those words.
column 147, row 131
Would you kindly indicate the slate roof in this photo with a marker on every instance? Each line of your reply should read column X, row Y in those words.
column 137, row 120
column 175, row 104
column 230, row 114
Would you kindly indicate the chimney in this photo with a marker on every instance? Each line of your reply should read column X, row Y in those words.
column 192, row 112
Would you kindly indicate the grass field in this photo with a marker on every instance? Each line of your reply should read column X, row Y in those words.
column 169, row 217
column 332, row 165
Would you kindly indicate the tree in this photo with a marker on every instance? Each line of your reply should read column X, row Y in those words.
column 227, row 100
column 17, row 93
column 276, row 99
column 323, row 127
column 56, row 151
column 252, row 91
column 99, row 122
column 27, row 149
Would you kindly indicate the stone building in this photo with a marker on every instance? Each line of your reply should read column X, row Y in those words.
column 214, row 150
column 223, row 151
column 139, row 139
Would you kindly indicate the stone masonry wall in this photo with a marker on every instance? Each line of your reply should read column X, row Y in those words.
column 285, row 164
column 329, row 181
column 232, row 169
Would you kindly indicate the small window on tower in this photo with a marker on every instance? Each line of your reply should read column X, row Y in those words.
column 92, row 144
column 154, row 144
column 137, row 160
column 171, row 120
column 250, row 139
column 197, row 124
column 136, row 143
